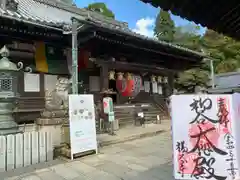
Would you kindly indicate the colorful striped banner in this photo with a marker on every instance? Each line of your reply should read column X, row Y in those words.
column 49, row 59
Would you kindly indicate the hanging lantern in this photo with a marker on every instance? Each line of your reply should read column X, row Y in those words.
column 129, row 85
column 165, row 79
column 127, row 88
column 111, row 75
column 159, row 79
column 129, row 76
column 153, row 78
column 137, row 86
column 119, row 76
column 119, row 81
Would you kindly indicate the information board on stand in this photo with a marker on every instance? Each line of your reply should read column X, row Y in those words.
column 208, row 142
column 82, row 123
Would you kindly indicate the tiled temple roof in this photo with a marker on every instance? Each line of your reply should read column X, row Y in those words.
column 58, row 15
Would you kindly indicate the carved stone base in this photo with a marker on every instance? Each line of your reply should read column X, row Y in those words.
column 7, row 123
column 54, row 114
column 55, row 126
column 51, row 121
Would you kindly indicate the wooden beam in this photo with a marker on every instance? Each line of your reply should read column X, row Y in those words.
column 133, row 66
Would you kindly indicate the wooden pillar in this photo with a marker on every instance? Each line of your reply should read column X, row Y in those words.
column 171, row 83
column 104, row 77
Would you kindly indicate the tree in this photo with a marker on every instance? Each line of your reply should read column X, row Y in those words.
column 224, row 50
column 192, row 78
column 164, row 27
column 187, row 36
column 102, row 9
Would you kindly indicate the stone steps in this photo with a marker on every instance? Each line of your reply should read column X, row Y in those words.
column 126, row 114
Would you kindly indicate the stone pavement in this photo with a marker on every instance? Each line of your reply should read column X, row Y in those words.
column 133, row 133
column 143, row 159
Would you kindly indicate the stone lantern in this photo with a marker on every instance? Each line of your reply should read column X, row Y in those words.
column 8, row 93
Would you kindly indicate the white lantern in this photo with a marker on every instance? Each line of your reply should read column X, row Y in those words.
column 153, row 78
column 112, row 75
column 159, row 79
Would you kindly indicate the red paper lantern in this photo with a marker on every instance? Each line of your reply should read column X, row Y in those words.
column 83, row 58
column 129, row 87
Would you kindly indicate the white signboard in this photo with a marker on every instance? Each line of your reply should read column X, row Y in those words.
column 82, row 123
column 31, row 82
column 206, row 145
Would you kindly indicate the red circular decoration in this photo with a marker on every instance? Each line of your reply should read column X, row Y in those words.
column 206, row 134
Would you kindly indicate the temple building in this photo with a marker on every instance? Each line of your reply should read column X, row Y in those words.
column 133, row 69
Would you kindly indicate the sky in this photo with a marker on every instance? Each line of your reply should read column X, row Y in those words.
column 139, row 16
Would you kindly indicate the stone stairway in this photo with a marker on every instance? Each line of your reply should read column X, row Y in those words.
column 126, row 114
column 151, row 113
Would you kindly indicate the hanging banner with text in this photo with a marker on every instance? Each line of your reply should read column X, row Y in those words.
column 82, row 123
column 205, row 147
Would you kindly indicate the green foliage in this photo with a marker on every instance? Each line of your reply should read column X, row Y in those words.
column 102, row 9
column 189, row 79
column 224, row 50
column 164, row 27
column 187, row 36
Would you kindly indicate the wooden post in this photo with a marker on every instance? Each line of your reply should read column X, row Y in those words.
column 104, row 77
column 104, row 86
column 171, row 83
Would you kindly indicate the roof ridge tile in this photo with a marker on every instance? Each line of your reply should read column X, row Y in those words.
column 82, row 12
